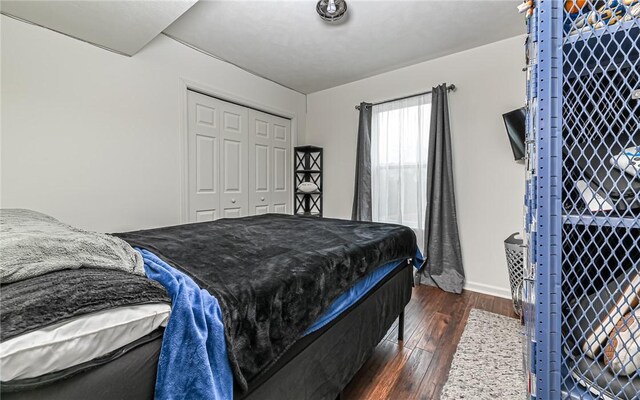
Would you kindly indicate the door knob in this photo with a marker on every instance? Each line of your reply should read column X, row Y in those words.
column 233, row 201
column 261, row 198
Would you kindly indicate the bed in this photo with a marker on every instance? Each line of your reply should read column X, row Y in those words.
column 326, row 259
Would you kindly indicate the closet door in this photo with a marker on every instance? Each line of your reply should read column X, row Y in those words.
column 281, row 194
column 234, row 198
column 218, row 164
column 203, row 126
column 269, row 163
column 260, row 162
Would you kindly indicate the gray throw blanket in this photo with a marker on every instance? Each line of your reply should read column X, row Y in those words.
column 45, row 300
column 34, row 244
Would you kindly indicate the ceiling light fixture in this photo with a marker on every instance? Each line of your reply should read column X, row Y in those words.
column 331, row 10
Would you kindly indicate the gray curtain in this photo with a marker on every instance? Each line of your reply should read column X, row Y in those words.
column 362, row 193
column 442, row 243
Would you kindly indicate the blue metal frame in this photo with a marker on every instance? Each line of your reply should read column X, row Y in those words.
column 560, row 62
column 549, row 199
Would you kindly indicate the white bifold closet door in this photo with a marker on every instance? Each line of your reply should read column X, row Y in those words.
column 270, row 173
column 218, row 162
column 239, row 160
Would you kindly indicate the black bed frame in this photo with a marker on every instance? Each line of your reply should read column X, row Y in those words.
column 318, row 366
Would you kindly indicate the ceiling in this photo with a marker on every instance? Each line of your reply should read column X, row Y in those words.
column 287, row 42
column 121, row 26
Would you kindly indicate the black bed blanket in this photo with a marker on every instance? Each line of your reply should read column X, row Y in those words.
column 274, row 275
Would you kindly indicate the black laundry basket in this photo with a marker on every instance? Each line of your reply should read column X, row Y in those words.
column 515, row 263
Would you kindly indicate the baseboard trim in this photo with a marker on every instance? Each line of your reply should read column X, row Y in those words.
column 488, row 289
column 474, row 287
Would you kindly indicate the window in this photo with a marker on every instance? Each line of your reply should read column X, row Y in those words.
column 399, row 149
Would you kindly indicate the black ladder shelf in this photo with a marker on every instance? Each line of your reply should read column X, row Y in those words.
column 307, row 168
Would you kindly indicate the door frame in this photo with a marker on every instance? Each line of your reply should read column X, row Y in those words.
column 208, row 90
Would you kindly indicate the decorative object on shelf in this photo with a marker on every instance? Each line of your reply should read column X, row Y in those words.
column 307, row 187
column 307, row 179
column 331, row 10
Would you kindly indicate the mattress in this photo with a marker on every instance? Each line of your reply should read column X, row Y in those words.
column 130, row 373
column 78, row 340
column 67, row 318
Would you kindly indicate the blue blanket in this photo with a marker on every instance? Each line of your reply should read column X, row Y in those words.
column 193, row 359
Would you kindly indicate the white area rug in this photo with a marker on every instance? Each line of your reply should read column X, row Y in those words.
column 488, row 362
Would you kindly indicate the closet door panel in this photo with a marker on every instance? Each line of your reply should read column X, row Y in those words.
column 203, row 150
column 206, row 159
column 261, row 169
column 231, row 212
column 232, row 167
column 205, row 215
column 259, row 210
column 234, row 133
column 260, row 160
column 281, row 190
column 280, row 130
column 260, row 196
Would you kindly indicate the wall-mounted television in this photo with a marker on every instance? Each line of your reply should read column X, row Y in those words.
column 515, row 123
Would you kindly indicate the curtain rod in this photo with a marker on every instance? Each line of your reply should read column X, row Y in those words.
column 451, row 88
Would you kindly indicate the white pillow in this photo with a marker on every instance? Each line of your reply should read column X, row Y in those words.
column 78, row 340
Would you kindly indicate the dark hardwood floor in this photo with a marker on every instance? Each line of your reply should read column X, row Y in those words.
column 418, row 367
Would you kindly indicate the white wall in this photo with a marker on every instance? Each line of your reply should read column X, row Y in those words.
column 489, row 183
column 93, row 138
